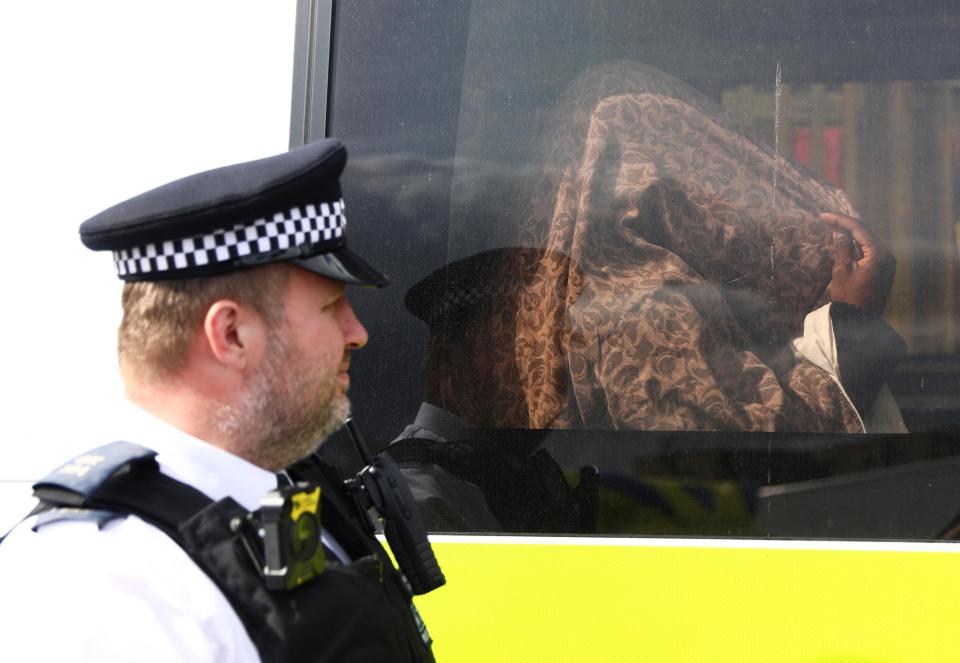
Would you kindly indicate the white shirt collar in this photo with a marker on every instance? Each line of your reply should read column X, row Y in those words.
column 209, row 469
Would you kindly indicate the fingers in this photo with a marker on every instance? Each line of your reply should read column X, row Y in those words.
column 843, row 251
column 871, row 246
column 848, row 223
column 851, row 225
column 862, row 279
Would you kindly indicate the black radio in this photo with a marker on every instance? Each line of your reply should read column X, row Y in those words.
column 380, row 486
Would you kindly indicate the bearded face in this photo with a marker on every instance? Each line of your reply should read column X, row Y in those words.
column 290, row 407
column 295, row 393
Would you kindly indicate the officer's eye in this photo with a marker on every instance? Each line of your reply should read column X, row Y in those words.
column 331, row 305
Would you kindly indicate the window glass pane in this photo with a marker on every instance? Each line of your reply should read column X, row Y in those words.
column 615, row 306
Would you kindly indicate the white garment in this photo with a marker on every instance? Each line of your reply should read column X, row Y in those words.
column 71, row 592
column 819, row 346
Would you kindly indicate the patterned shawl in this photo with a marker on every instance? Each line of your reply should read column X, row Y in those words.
column 691, row 254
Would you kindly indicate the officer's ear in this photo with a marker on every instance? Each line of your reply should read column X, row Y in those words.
column 235, row 335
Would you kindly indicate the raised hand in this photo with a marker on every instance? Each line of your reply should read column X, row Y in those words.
column 863, row 268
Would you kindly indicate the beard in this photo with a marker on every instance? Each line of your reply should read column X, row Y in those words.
column 287, row 411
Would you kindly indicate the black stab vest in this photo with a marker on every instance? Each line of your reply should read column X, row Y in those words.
column 359, row 611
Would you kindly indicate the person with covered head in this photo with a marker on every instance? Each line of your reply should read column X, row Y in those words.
column 711, row 283
column 178, row 544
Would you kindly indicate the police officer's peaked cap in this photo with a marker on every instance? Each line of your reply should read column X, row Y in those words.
column 285, row 207
column 459, row 292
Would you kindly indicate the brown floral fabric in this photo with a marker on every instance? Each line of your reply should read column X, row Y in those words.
column 691, row 253
column 470, row 366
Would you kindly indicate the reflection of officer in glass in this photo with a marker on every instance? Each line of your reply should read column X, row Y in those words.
column 465, row 475
column 235, row 347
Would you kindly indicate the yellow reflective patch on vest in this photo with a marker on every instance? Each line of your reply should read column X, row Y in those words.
column 305, row 503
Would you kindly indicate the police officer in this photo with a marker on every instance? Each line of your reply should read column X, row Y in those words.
column 468, row 463
column 234, row 349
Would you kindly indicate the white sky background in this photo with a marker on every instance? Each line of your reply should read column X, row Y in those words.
column 101, row 100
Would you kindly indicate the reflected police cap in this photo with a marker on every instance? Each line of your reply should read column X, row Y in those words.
column 461, row 291
column 284, row 207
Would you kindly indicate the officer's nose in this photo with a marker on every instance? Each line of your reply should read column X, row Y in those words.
column 354, row 333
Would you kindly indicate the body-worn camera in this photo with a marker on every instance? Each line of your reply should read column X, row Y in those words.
column 283, row 538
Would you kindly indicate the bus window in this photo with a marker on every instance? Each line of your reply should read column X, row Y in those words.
column 616, row 307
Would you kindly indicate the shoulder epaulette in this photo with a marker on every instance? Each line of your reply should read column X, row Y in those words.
column 74, row 482
column 99, row 516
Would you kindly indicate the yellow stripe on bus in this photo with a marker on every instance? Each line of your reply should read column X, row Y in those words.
column 519, row 602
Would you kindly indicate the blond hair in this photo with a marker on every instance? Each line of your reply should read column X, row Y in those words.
column 161, row 317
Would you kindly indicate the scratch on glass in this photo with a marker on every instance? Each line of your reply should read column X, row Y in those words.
column 777, row 97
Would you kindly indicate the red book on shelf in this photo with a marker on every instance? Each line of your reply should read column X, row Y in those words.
column 832, row 153
column 832, row 149
column 800, row 146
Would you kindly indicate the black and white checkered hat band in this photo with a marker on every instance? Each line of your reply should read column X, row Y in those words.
column 461, row 301
column 313, row 225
